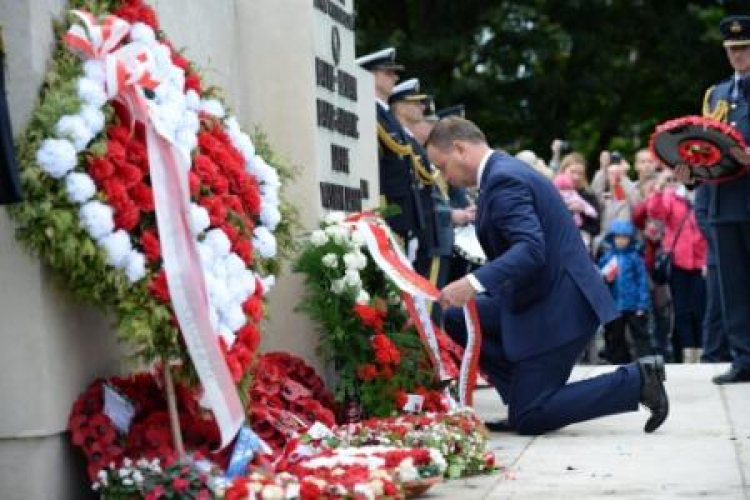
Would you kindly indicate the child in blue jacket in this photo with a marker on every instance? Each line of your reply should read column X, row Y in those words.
column 624, row 270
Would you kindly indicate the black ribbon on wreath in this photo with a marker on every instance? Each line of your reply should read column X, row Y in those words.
column 10, row 182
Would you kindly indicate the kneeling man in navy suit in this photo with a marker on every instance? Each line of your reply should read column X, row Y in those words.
column 539, row 296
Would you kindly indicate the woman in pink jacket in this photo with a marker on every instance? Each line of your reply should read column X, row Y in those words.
column 684, row 239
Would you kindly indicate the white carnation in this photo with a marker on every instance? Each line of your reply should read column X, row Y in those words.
column 270, row 216
column 56, row 157
column 218, row 293
column 192, row 100
column 97, row 219
column 319, row 238
column 337, row 286
column 227, row 333
column 235, row 317
column 74, row 128
column 264, row 242
column 247, row 281
column 358, row 239
column 268, row 283
column 330, row 260
column 219, row 242
column 338, row 234
column 212, row 107
column 135, row 267
column 213, row 317
column 207, row 256
column 117, row 246
column 94, row 70
column 199, row 219
column 94, row 118
column 234, row 264
column 355, row 261
column 92, row 92
column 80, row 187
column 141, row 32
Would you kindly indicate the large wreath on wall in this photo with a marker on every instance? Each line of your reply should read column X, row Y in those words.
column 89, row 210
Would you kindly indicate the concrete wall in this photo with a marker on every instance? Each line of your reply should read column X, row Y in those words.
column 260, row 53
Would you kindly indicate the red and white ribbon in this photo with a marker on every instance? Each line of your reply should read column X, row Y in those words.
column 127, row 75
column 387, row 254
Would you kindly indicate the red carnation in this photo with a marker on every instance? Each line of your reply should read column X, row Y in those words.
column 193, row 82
column 151, row 245
column 101, row 169
column 159, row 289
column 253, row 307
column 230, row 231
column 233, row 202
column 367, row 372
column 143, row 196
column 179, row 61
column 119, row 133
column 217, row 212
column 116, row 152
column 127, row 216
column 205, row 168
column 195, row 185
column 129, row 174
column 244, row 249
column 117, row 193
column 385, row 351
column 249, row 337
column 370, row 316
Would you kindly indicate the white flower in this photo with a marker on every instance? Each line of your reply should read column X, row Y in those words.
column 213, row 317
column 438, row 459
column 94, row 118
column 235, row 317
column 91, row 92
column 212, row 107
column 74, row 127
column 56, row 157
column 355, row 261
column 319, row 238
column 268, row 283
column 219, row 242
column 357, row 239
column 140, row 32
column 227, row 333
column 330, row 260
column 94, row 70
column 352, row 279
column 192, row 100
column 272, row 492
column 270, row 216
column 80, row 187
column 117, row 246
column 97, row 219
column 363, row 297
column 135, row 267
column 199, row 219
column 264, row 242
column 234, row 264
column 335, row 218
column 206, row 253
column 406, row 470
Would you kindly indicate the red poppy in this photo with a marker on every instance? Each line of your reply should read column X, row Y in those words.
column 158, row 288
column 151, row 245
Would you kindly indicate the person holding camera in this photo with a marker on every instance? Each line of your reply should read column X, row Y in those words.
column 684, row 241
column 614, row 190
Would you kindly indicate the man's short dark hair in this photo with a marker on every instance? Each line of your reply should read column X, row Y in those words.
column 454, row 128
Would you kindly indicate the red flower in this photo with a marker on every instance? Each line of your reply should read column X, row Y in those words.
column 101, row 169
column 367, row 372
column 143, row 196
column 195, row 184
column 137, row 155
column 127, row 216
column 309, row 490
column 253, row 307
column 401, row 398
column 129, row 174
column 217, row 212
column 193, row 82
column 116, row 152
column 151, row 245
column 135, row 11
column 179, row 61
column 205, row 168
column 159, row 289
column 119, row 133
column 249, row 337
column 370, row 316
column 244, row 249
column 385, row 351
column 180, row 485
column 250, row 195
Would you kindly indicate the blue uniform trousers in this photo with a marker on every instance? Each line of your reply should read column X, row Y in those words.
column 535, row 389
column 733, row 256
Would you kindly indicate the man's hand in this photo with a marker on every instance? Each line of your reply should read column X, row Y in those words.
column 683, row 174
column 457, row 293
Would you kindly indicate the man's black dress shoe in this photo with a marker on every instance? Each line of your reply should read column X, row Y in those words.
column 499, row 426
column 733, row 376
column 653, row 394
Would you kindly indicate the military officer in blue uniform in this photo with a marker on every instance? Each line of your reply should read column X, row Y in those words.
column 398, row 180
column 436, row 244
column 539, row 297
column 728, row 212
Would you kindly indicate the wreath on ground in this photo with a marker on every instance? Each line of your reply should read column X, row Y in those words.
column 89, row 206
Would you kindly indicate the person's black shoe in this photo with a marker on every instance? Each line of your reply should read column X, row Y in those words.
column 499, row 426
column 733, row 376
column 653, row 394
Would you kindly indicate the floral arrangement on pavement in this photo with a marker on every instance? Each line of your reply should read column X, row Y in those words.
column 458, row 435
column 365, row 331
column 89, row 207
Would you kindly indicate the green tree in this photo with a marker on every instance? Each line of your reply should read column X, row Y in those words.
column 600, row 73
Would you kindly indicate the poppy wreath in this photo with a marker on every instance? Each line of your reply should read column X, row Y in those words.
column 89, row 210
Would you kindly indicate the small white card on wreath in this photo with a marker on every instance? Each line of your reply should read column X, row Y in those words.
column 413, row 403
column 118, row 408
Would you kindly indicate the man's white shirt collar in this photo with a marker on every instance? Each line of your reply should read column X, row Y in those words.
column 382, row 103
column 482, row 165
